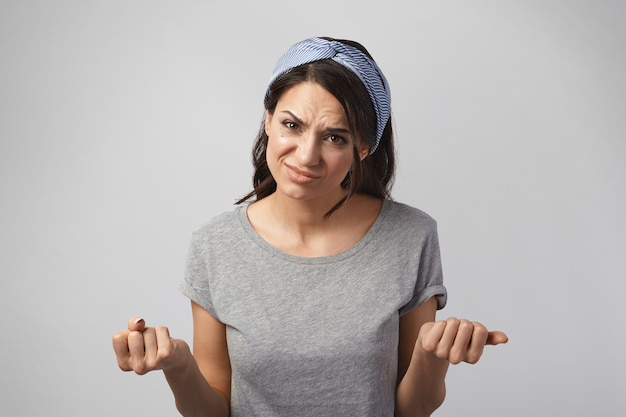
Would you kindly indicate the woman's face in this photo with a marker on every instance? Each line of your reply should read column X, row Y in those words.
column 309, row 150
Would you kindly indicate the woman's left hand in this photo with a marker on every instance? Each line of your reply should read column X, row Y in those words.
column 457, row 340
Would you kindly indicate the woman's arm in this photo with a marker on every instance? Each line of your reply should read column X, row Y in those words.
column 421, row 375
column 426, row 348
column 213, row 363
column 201, row 385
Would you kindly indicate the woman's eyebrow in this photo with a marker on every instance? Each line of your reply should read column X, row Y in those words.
column 295, row 118
column 335, row 130
column 302, row 123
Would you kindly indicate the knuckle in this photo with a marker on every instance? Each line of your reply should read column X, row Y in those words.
column 429, row 345
column 454, row 359
column 141, row 369
column 476, row 355
column 123, row 365
column 465, row 325
column 119, row 339
column 134, row 335
column 138, row 365
column 480, row 327
column 442, row 353
column 165, row 354
column 455, row 356
column 481, row 333
column 149, row 365
column 478, row 324
column 472, row 359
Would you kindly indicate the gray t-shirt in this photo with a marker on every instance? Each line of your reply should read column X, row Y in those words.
column 314, row 336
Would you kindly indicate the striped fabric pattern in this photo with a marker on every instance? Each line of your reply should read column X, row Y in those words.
column 317, row 49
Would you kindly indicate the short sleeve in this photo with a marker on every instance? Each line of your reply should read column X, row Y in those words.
column 196, row 283
column 429, row 282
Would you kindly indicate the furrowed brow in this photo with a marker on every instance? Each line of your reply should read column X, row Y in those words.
column 338, row 131
column 295, row 118
column 331, row 130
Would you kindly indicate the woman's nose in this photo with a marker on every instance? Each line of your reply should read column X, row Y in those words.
column 309, row 151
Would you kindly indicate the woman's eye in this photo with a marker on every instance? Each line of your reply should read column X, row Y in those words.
column 336, row 139
column 290, row 125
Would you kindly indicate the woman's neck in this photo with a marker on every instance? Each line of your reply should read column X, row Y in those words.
column 302, row 228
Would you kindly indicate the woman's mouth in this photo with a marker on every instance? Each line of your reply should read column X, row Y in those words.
column 299, row 176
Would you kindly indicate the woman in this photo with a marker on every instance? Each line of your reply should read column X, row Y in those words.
column 319, row 297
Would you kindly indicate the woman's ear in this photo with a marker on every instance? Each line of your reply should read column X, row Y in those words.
column 268, row 122
column 364, row 151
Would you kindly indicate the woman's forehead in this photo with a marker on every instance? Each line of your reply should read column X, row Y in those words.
column 308, row 99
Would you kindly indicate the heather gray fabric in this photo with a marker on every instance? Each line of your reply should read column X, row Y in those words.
column 314, row 336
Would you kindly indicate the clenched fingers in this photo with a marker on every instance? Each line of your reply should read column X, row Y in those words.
column 446, row 343
column 458, row 340
column 137, row 350
column 477, row 341
column 158, row 347
column 120, row 346
column 142, row 349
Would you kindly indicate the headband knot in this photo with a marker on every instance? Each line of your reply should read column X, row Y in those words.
column 317, row 49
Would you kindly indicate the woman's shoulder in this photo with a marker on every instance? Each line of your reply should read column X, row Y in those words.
column 402, row 213
column 406, row 225
column 224, row 223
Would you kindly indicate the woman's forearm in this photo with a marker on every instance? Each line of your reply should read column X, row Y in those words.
column 422, row 389
column 193, row 394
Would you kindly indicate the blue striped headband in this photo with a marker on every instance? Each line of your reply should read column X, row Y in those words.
column 317, row 49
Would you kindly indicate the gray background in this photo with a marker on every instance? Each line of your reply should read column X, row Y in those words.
column 126, row 124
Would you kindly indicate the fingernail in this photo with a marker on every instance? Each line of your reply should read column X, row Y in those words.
column 138, row 320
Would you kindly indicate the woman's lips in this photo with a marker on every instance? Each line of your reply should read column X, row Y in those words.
column 299, row 176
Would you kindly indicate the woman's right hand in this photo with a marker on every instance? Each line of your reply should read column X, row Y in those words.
column 143, row 349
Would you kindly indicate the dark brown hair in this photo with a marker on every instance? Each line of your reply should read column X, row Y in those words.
column 374, row 174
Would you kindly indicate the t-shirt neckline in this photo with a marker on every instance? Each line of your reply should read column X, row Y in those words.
column 369, row 235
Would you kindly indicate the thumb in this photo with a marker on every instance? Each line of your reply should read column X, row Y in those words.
column 496, row 337
column 136, row 324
